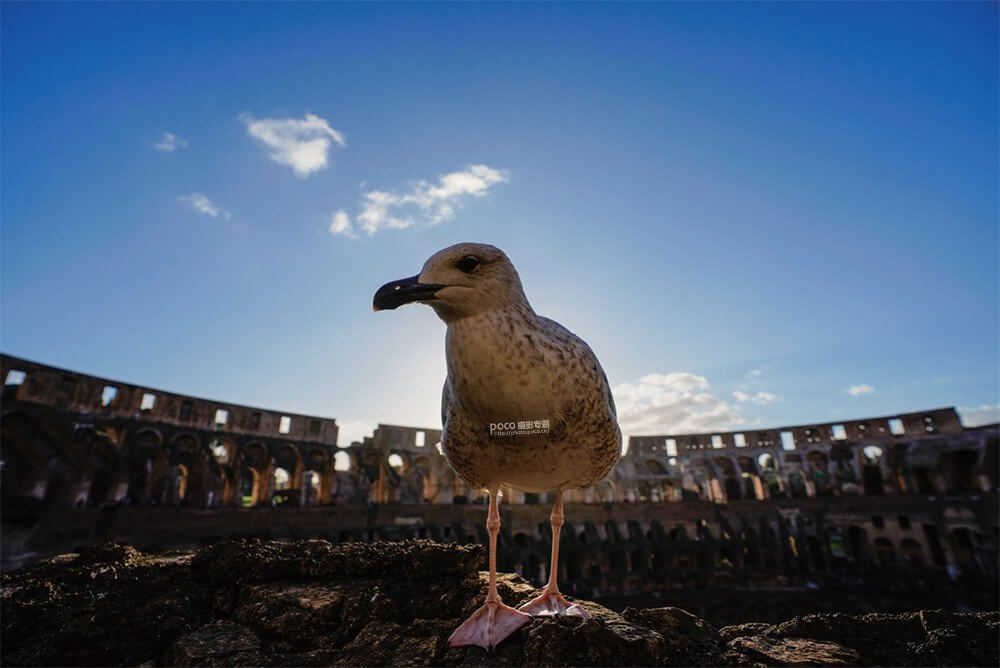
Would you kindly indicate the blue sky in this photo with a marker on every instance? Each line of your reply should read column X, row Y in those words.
column 746, row 209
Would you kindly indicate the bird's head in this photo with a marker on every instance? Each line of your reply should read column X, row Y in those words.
column 458, row 282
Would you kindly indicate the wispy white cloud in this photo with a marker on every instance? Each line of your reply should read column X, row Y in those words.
column 340, row 223
column 753, row 373
column 425, row 203
column 760, row 398
column 300, row 143
column 858, row 390
column 168, row 142
column 203, row 204
column 974, row 416
column 672, row 403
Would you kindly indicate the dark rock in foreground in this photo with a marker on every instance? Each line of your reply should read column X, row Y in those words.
column 313, row 603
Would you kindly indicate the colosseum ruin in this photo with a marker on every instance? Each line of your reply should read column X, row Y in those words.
column 915, row 495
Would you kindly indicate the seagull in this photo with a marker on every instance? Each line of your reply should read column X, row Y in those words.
column 525, row 405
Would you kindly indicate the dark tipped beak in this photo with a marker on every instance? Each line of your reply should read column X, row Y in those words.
column 396, row 293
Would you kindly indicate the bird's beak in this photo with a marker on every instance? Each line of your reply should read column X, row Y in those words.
column 396, row 293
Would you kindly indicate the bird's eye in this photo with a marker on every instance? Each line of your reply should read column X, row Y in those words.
column 468, row 264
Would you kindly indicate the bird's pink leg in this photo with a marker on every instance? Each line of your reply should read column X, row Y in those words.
column 494, row 621
column 551, row 602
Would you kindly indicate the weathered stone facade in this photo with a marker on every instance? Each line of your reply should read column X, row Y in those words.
column 914, row 492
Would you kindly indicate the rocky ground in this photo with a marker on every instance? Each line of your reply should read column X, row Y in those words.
column 313, row 603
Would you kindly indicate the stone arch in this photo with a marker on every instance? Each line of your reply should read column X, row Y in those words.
column 433, row 486
column 797, row 484
column 105, row 469
column 912, row 553
column 856, row 542
column 315, row 478
column 963, row 546
column 146, row 462
column 255, row 473
column 222, row 472
column 959, row 469
column 654, row 467
column 26, row 455
column 731, row 482
column 342, row 461
column 752, row 486
column 818, row 465
column 885, row 551
column 873, row 481
column 618, row 561
column 285, row 479
column 193, row 474
column 606, row 490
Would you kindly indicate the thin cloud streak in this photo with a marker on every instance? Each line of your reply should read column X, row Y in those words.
column 169, row 142
column 204, row 205
column 425, row 204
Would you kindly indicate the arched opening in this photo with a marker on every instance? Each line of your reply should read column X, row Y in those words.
column 655, row 468
column 885, row 551
column 960, row 467
column 814, row 552
column 249, row 485
column 176, row 483
column 964, row 548
column 819, row 472
column 341, row 461
column 144, row 461
column 618, row 562
column 856, row 543
column 222, row 451
column 753, row 488
column 871, row 460
column 606, row 491
column 991, row 462
column 640, row 561
column 105, row 467
column 923, row 479
column 797, row 485
column 768, row 469
column 254, row 464
column 286, row 478
column 730, row 479
column 533, row 569
column 912, row 553
column 281, row 486
column 311, row 481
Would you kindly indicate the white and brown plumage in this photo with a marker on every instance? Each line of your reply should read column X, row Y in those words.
column 507, row 364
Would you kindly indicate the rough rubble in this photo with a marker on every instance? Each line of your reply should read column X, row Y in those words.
column 313, row 603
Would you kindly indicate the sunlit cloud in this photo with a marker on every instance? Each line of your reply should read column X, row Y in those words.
column 168, row 142
column 676, row 402
column 425, row 203
column 300, row 143
column 204, row 205
column 975, row 416
column 858, row 390
column 350, row 431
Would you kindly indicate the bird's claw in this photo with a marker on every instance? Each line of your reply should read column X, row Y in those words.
column 553, row 604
